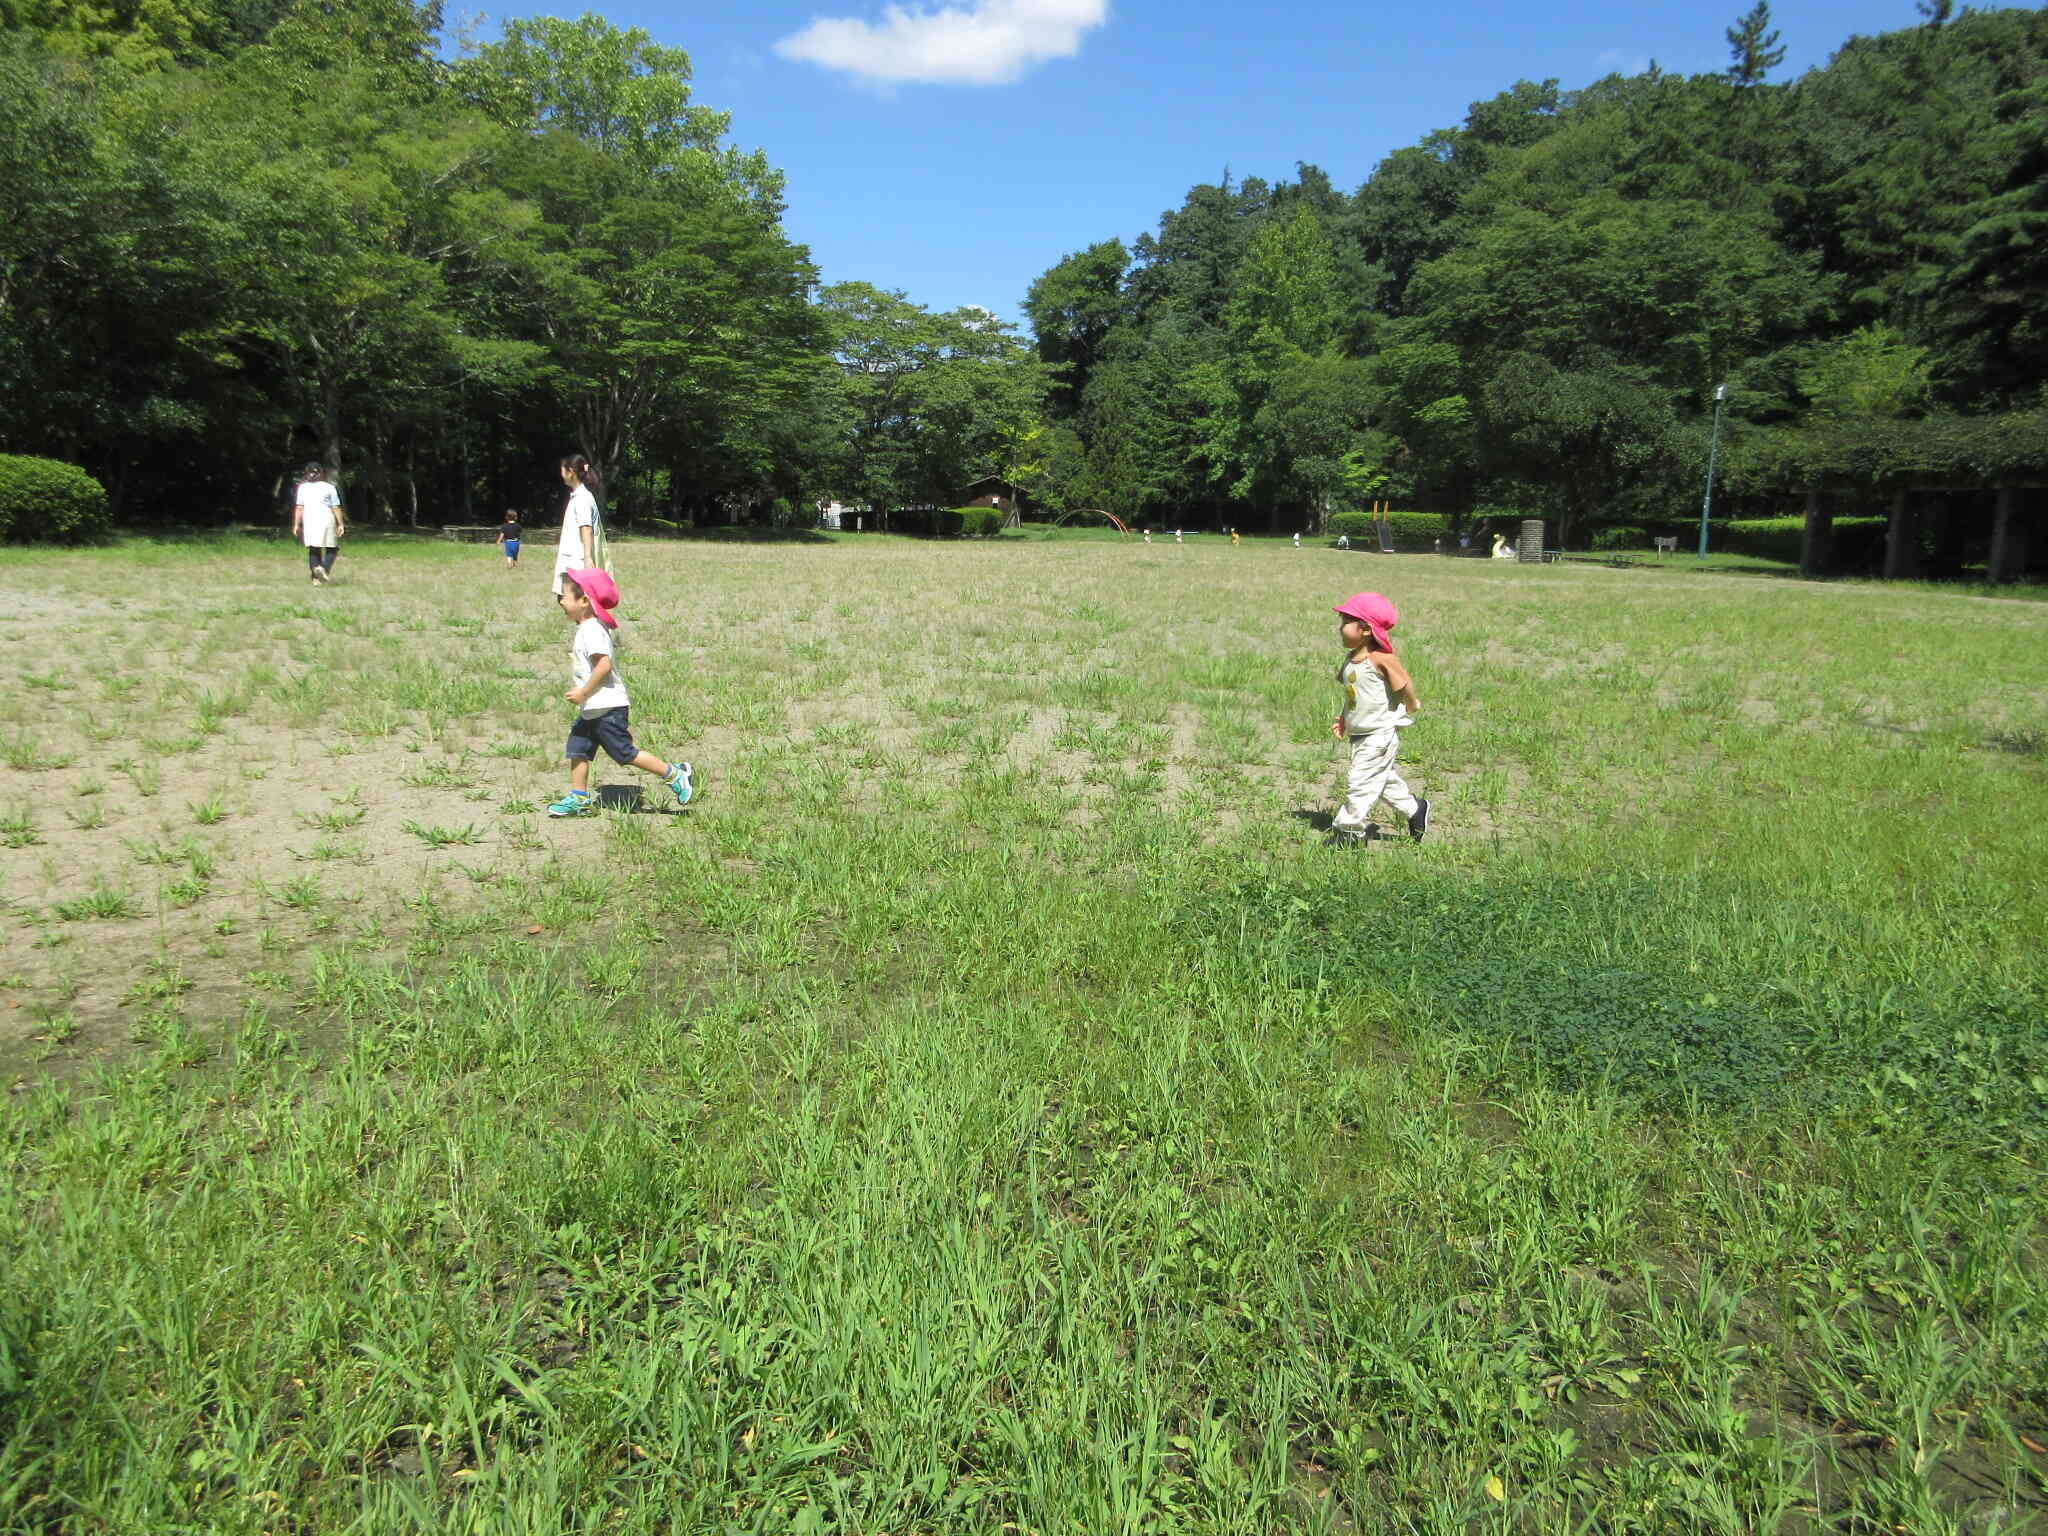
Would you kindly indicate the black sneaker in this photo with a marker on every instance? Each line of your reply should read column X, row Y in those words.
column 1351, row 837
column 1419, row 822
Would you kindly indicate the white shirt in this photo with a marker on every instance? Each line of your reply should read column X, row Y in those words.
column 580, row 513
column 318, row 501
column 592, row 641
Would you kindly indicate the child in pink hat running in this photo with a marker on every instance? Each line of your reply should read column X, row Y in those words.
column 599, row 693
column 1379, row 697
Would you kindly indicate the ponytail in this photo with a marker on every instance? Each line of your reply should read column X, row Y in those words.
column 586, row 475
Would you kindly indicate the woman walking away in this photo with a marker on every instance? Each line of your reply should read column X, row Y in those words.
column 317, row 522
column 579, row 547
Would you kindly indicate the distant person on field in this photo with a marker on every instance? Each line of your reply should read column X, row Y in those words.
column 1379, row 698
column 599, row 693
column 578, row 546
column 317, row 522
column 508, row 538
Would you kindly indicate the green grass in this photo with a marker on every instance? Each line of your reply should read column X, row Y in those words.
column 335, row 821
column 991, row 1109
column 99, row 903
column 443, row 837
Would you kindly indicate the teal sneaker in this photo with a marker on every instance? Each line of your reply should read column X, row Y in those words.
column 678, row 782
column 578, row 802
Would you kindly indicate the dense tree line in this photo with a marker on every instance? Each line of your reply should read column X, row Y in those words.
column 1531, row 311
column 245, row 233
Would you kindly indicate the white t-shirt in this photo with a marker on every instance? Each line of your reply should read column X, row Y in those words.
column 580, row 513
column 318, row 501
column 592, row 641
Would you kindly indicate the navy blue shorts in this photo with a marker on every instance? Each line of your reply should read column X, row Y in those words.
column 608, row 729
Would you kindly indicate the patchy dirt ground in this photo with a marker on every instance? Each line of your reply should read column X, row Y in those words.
column 222, row 769
column 213, row 790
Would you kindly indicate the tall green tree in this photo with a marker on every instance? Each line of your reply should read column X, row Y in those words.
column 1072, row 307
column 1280, row 327
column 1146, row 418
column 931, row 401
column 1753, row 47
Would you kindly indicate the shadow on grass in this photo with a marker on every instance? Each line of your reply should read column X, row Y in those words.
column 656, row 528
column 632, row 800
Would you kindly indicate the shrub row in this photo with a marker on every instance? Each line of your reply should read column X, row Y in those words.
column 1411, row 530
column 947, row 522
column 1858, row 541
column 43, row 499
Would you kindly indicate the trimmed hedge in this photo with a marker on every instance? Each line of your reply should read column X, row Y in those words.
column 946, row 522
column 924, row 520
column 46, row 500
column 1621, row 536
column 1856, row 541
column 1411, row 530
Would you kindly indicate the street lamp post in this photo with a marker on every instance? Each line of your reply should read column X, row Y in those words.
column 1713, row 451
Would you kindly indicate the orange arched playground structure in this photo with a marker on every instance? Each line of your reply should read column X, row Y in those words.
column 1118, row 523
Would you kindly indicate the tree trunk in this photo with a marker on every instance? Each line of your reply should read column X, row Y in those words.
column 330, row 434
column 1817, row 539
column 380, row 465
column 2008, row 539
column 1902, row 539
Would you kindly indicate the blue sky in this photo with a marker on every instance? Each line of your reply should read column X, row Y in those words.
column 956, row 152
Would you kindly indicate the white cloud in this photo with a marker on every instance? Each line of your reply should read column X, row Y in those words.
column 992, row 42
column 1615, row 62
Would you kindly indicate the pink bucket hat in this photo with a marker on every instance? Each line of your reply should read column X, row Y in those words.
column 1375, row 613
column 602, row 591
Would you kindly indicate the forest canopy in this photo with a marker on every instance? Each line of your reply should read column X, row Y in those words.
column 1530, row 312
column 252, row 233
column 248, row 233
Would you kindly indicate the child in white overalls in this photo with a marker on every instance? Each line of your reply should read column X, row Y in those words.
column 1379, row 698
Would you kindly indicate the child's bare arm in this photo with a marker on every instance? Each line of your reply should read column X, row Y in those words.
column 1399, row 684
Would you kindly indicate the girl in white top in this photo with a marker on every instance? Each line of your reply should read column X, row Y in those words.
column 317, row 521
column 578, row 547
column 1379, row 698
